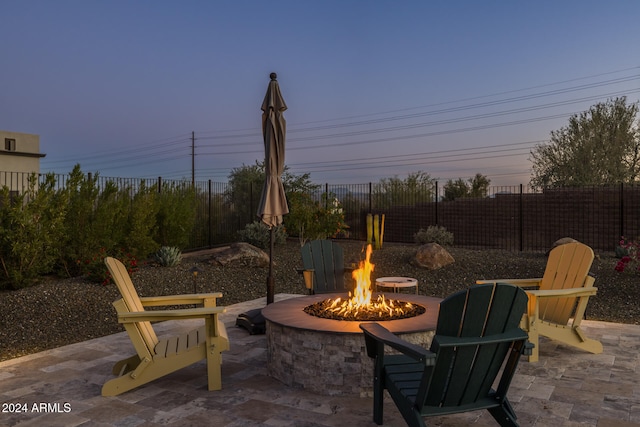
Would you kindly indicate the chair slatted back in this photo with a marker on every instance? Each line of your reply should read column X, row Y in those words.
column 463, row 374
column 327, row 259
column 131, row 299
column 567, row 267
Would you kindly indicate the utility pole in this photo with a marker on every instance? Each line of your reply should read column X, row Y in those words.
column 193, row 159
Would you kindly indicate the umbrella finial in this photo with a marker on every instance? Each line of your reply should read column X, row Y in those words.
column 273, row 76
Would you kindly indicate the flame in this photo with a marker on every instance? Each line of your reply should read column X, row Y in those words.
column 362, row 292
column 360, row 300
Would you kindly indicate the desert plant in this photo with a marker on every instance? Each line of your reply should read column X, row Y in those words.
column 434, row 234
column 168, row 256
column 258, row 234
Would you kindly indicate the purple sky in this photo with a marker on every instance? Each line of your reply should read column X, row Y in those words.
column 375, row 89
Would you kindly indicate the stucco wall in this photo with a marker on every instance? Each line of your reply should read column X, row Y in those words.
column 25, row 158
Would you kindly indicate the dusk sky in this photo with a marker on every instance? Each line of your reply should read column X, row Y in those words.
column 374, row 88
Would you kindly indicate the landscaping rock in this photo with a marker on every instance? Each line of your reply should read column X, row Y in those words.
column 432, row 256
column 562, row 241
column 240, row 253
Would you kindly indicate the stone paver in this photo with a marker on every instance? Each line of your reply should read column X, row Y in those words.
column 61, row 387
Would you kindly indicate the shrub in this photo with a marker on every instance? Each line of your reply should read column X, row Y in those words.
column 434, row 234
column 96, row 271
column 141, row 223
column 310, row 219
column 629, row 252
column 175, row 217
column 168, row 256
column 31, row 232
column 258, row 234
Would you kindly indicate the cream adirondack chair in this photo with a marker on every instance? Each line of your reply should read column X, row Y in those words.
column 561, row 294
column 155, row 358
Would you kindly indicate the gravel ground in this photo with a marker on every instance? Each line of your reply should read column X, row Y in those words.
column 64, row 311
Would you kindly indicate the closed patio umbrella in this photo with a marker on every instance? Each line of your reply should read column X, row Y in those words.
column 273, row 203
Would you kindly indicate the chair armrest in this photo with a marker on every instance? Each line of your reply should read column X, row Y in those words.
column 567, row 293
column 523, row 283
column 158, row 315
column 308, row 276
column 512, row 335
column 179, row 299
column 377, row 332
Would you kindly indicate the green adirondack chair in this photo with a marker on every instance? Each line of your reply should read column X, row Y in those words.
column 477, row 331
column 323, row 267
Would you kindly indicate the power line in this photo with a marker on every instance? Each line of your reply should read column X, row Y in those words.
column 167, row 149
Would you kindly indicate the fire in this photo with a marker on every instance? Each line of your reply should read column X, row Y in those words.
column 360, row 304
column 362, row 292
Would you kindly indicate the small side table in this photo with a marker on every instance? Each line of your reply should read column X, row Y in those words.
column 396, row 283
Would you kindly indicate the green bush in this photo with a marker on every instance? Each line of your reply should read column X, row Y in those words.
column 31, row 232
column 140, row 225
column 175, row 215
column 258, row 234
column 434, row 234
column 309, row 219
column 68, row 227
column 168, row 256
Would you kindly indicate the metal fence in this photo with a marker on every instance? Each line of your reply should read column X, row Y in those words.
column 513, row 218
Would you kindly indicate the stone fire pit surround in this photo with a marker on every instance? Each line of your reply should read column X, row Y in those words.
column 328, row 356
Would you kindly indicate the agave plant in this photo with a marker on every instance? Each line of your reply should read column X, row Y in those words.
column 168, row 256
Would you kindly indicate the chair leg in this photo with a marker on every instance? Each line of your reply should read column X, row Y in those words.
column 214, row 373
column 378, row 400
column 119, row 385
column 504, row 414
column 126, row 365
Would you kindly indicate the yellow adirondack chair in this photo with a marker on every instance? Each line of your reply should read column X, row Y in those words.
column 156, row 358
column 562, row 292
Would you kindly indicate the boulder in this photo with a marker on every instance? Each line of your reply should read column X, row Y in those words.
column 432, row 256
column 240, row 253
column 562, row 241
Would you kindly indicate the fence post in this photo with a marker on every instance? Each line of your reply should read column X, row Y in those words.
column 210, row 225
column 436, row 203
column 370, row 196
column 326, row 195
column 621, row 210
column 521, row 220
column 250, row 202
column 159, row 185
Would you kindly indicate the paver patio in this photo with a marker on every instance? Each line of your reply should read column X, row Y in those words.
column 566, row 388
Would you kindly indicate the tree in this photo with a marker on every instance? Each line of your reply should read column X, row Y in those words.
column 598, row 146
column 243, row 193
column 245, row 188
column 455, row 189
column 417, row 187
column 478, row 186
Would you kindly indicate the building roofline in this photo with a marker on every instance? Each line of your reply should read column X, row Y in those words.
column 21, row 153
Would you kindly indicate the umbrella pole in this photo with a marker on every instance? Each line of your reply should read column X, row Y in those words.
column 270, row 281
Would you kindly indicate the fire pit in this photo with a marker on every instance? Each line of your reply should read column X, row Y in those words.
column 327, row 356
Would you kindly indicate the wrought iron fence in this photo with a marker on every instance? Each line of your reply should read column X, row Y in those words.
column 513, row 218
